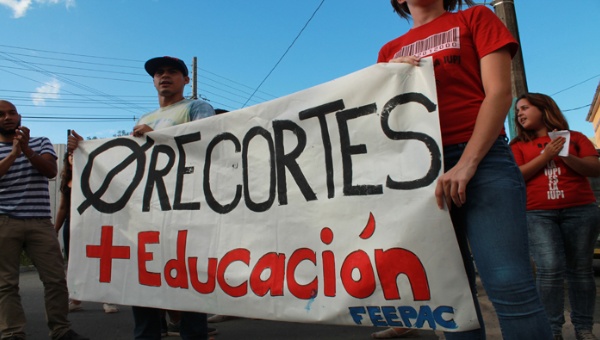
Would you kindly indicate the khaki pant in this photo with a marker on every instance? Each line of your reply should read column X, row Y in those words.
column 38, row 238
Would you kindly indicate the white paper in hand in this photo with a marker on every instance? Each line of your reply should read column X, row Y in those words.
column 566, row 135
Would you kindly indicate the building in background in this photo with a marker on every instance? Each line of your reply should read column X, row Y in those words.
column 594, row 116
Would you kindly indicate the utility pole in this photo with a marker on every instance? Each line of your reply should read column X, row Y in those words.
column 194, row 78
column 505, row 10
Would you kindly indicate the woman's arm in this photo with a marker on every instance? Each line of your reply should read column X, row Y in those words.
column 495, row 75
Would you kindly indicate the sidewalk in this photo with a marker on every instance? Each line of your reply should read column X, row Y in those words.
column 94, row 323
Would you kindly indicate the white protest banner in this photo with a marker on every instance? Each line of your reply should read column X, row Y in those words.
column 316, row 207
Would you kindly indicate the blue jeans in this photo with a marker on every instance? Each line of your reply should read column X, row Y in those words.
column 562, row 246
column 148, row 324
column 492, row 227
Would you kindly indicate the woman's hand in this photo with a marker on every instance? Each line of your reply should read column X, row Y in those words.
column 73, row 141
column 452, row 185
column 553, row 148
column 413, row 60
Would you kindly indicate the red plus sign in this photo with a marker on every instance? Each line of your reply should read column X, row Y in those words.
column 106, row 252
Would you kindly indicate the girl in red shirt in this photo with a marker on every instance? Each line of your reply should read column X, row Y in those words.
column 562, row 215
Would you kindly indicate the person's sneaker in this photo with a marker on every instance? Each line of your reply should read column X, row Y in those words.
column 220, row 318
column 73, row 306
column 173, row 328
column 585, row 335
column 110, row 308
column 212, row 331
column 164, row 332
column 71, row 335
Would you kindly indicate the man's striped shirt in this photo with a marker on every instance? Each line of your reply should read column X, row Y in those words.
column 23, row 190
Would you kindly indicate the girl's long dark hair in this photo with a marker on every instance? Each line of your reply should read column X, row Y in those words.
column 66, row 174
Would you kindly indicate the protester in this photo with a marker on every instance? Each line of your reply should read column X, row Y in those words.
column 26, row 165
column 63, row 214
column 170, row 76
column 63, row 218
column 562, row 215
column 481, row 184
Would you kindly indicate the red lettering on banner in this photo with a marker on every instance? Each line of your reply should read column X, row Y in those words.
column 328, row 273
column 199, row 286
column 180, row 280
column 364, row 286
column 396, row 261
column 271, row 274
column 147, row 278
column 106, row 252
column 328, row 264
column 308, row 290
column 275, row 264
column 236, row 255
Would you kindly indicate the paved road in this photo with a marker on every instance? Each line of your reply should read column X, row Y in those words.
column 93, row 322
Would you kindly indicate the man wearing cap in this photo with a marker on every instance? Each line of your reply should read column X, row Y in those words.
column 170, row 76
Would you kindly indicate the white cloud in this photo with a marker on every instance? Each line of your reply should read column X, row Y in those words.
column 50, row 90
column 20, row 7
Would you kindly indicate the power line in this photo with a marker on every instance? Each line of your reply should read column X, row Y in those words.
column 71, row 54
column 76, row 75
column 99, row 119
column 67, row 80
column 75, row 61
column 86, row 69
column 234, row 82
column 570, row 87
column 577, row 108
column 74, row 94
column 286, row 51
column 233, row 88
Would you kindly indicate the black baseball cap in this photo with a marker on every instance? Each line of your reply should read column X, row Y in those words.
column 154, row 63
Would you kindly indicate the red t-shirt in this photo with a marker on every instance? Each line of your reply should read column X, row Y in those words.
column 456, row 41
column 556, row 186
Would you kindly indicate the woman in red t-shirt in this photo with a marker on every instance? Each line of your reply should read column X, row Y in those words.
column 562, row 215
column 481, row 185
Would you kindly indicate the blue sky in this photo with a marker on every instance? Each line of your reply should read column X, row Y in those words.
column 78, row 64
